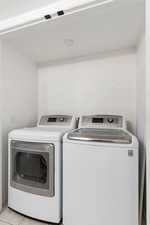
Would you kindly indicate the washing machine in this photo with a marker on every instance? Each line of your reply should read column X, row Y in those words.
column 100, row 173
column 35, row 168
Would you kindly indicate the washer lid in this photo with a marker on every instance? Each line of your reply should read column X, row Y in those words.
column 101, row 135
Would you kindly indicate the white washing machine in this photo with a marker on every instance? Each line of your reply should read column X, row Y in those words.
column 100, row 173
column 35, row 163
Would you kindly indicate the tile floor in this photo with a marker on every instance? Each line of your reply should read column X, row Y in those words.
column 9, row 217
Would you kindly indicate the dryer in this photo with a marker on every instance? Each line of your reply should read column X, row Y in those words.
column 100, row 173
column 35, row 168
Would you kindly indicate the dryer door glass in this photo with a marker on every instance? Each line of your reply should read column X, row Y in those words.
column 32, row 167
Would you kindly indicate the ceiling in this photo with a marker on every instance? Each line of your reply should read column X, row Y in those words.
column 98, row 30
column 12, row 8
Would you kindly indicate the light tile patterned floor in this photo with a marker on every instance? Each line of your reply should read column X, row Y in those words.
column 9, row 217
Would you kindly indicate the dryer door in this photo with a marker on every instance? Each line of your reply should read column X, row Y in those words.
column 32, row 167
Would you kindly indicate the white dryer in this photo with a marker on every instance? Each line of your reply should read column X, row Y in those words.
column 100, row 173
column 35, row 163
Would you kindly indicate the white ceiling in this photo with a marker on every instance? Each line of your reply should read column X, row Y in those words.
column 12, row 8
column 107, row 28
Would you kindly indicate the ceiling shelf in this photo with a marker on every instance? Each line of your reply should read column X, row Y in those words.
column 86, row 32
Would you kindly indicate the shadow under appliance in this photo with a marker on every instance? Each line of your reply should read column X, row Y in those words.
column 35, row 161
column 100, row 173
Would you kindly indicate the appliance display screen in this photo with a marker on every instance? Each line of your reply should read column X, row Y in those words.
column 98, row 120
column 51, row 120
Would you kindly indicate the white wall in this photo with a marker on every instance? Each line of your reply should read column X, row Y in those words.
column 19, row 83
column 101, row 85
column 148, row 105
column 141, row 90
column 0, row 127
column 141, row 113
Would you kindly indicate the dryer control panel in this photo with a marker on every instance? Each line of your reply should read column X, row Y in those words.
column 102, row 121
column 57, row 121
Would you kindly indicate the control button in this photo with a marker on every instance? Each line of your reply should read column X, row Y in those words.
column 62, row 119
column 110, row 120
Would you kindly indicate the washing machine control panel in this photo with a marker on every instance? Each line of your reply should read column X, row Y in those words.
column 57, row 120
column 102, row 121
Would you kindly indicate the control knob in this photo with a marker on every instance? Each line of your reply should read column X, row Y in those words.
column 110, row 120
column 61, row 119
